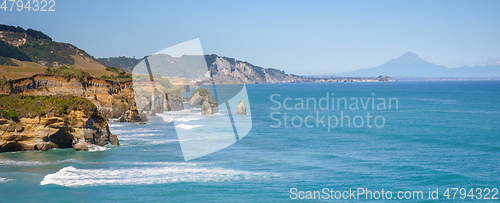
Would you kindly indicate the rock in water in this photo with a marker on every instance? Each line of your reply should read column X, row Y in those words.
column 209, row 106
column 113, row 139
column 196, row 100
column 143, row 116
column 206, row 109
column 157, row 101
column 133, row 115
column 81, row 146
column 242, row 109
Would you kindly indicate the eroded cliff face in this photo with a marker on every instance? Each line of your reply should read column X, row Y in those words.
column 156, row 98
column 75, row 130
column 113, row 99
column 224, row 71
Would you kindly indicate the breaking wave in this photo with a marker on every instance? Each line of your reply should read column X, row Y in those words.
column 4, row 180
column 96, row 148
column 14, row 163
column 188, row 127
column 162, row 174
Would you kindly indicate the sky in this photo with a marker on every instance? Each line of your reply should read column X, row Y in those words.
column 300, row 37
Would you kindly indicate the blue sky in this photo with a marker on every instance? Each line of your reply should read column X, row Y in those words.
column 300, row 37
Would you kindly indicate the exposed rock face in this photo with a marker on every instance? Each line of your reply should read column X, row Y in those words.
column 173, row 102
column 76, row 130
column 209, row 106
column 157, row 101
column 196, row 100
column 156, row 98
column 113, row 139
column 133, row 115
column 242, row 109
column 229, row 71
column 113, row 99
column 166, row 103
column 225, row 70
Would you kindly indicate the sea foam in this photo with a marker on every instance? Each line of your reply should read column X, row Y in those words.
column 96, row 148
column 188, row 127
column 15, row 163
column 4, row 180
column 169, row 173
column 181, row 116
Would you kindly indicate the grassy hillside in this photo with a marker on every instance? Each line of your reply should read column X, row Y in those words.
column 27, row 52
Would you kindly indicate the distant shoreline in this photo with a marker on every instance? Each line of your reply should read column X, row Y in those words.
column 443, row 79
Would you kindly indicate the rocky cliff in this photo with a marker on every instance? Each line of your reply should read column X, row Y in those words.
column 224, row 70
column 46, row 122
column 56, row 111
column 112, row 98
column 156, row 97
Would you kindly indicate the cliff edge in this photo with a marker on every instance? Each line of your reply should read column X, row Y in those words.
column 46, row 122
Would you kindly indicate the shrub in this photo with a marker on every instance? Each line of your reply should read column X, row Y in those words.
column 68, row 73
column 6, row 61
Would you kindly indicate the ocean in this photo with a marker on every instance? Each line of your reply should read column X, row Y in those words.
column 400, row 136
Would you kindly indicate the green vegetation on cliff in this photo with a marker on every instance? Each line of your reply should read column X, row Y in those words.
column 122, row 76
column 15, row 106
column 68, row 72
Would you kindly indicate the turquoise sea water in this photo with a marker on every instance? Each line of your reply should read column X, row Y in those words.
column 442, row 135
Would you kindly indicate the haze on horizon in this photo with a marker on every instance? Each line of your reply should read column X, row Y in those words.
column 299, row 37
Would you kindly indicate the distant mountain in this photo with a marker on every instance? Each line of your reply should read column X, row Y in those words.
column 411, row 65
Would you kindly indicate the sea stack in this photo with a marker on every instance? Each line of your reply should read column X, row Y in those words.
column 198, row 96
column 196, row 100
column 242, row 109
column 209, row 106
